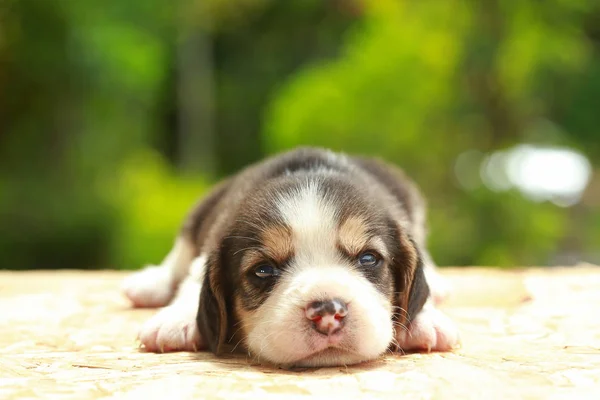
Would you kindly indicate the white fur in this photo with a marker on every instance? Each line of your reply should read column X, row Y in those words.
column 318, row 273
column 431, row 330
column 439, row 287
column 154, row 286
column 312, row 220
column 151, row 287
column 281, row 320
column 174, row 327
column 278, row 331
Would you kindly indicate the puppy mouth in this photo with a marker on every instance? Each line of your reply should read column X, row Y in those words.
column 331, row 346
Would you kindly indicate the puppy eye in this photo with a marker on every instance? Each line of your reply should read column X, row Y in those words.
column 266, row 271
column 368, row 259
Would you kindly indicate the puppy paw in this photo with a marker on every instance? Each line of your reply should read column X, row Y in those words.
column 151, row 287
column 171, row 329
column 430, row 331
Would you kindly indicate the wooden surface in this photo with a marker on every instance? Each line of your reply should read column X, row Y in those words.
column 526, row 335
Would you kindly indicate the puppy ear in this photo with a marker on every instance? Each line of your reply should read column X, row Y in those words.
column 212, row 311
column 419, row 289
column 411, row 289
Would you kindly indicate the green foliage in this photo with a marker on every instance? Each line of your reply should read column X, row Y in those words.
column 152, row 202
column 398, row 91
column 384, row 94
column 80, row 83
column 91, row 147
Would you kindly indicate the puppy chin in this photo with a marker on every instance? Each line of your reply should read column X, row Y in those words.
column 330, row 357
column 278, row 332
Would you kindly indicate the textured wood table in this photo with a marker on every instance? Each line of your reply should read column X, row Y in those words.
column 526, row 334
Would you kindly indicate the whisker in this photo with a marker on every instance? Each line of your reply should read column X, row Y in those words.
column 401, row 325
column 234, row 333
column 236, row 345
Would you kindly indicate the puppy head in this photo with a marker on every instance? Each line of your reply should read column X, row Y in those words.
column 313, row 272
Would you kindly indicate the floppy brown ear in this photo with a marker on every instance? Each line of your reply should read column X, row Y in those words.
column 419, row 289
column 412, row 290
column 212, row 311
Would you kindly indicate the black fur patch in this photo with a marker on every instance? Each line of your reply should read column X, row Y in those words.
column 229, row 222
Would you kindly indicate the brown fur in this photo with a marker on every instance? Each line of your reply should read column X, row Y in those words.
column 236, row 220
column 404, row 275
column 353, row 235
column 277, row 242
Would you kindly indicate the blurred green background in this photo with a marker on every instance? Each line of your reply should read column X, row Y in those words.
column 115, row 116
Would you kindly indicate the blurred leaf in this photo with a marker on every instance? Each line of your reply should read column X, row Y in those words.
column 152, row 203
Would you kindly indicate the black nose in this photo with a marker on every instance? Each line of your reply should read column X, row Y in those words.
column 327, row 316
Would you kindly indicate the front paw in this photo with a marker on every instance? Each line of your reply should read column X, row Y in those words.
column 172, row 329
column 151, row 287
column 430, row 331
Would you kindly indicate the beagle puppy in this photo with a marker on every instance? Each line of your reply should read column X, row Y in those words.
column 309, row 258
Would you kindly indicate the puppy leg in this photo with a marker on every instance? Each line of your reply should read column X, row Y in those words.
column 174, row 328
column 438, row 286
column 431, row 330
column 154, row 286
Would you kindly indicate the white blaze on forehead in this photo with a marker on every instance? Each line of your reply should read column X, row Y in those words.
column 317, row 272
column 312, row 219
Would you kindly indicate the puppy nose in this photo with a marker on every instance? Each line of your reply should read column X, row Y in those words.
column 327, row 316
